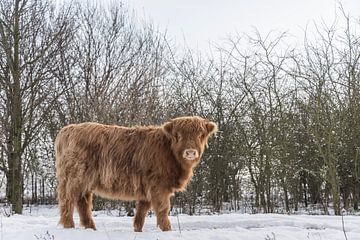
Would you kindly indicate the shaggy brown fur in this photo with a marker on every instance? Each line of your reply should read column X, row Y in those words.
column 146, row 164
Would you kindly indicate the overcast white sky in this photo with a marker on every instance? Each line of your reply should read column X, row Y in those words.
column 202, row 22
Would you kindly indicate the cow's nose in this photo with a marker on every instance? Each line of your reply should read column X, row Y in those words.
column 190, row 154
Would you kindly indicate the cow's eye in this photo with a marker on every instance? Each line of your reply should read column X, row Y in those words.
column 178, row 137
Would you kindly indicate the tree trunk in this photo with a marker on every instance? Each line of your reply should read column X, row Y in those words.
column 346, row 200
column 15, row 144
column 32, row 189
column 286, row 197
column 356, row 198
column 36, row 190
column 263, row 199
column 334, row 183
column 9, row 184
column 43, row 190
column 15, row 147
column 15, row 183
column 305, row 194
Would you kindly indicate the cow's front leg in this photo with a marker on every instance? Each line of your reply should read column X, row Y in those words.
column 142, row 208
column 161, row 205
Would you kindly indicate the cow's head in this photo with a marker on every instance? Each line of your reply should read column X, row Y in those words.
column 189, row 136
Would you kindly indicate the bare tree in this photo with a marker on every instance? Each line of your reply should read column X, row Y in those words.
column 29, row 31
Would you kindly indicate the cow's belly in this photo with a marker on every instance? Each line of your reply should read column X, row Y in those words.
column 122, row 190
column 116, row 195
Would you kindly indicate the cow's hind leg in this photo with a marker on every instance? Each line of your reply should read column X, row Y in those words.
column 142, row 208
column 84, row 207
column 66, row 206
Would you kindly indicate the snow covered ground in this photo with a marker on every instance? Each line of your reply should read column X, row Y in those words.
column 41, row 224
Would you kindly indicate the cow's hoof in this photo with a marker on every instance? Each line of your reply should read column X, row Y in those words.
column 91, row 227
column 165, row 228
column 69, row 225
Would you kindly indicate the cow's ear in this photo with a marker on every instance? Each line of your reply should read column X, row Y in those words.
column 211, row 128
column 168, row 128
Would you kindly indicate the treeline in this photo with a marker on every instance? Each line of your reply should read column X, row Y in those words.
column 289, row 116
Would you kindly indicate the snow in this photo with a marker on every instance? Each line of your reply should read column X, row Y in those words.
column 41, row 223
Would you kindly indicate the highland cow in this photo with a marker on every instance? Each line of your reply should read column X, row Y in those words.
column 143, row 164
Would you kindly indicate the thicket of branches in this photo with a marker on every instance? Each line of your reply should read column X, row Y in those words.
column 289, row 117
